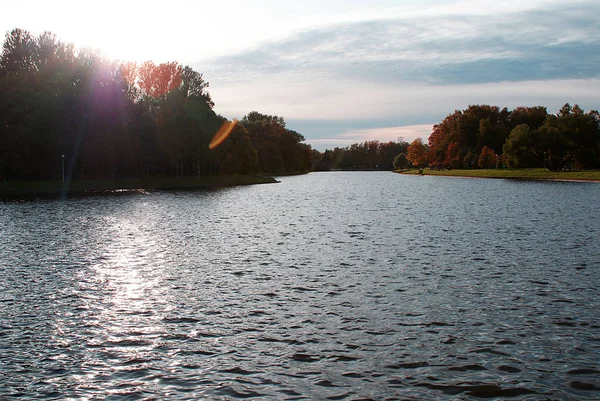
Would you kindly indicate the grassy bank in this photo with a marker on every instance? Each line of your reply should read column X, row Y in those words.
column 522, row 174
column 18, row 188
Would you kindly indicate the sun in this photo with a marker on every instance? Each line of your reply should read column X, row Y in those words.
column 124, row 44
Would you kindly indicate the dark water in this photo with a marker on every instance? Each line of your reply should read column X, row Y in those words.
column 326, row 286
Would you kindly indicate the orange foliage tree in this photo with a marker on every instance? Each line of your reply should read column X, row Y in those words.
column 158, row 80
column 453, row 155
column 417, row 153
column 487, row 158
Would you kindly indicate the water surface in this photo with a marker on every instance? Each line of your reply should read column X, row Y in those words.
column 325, row 286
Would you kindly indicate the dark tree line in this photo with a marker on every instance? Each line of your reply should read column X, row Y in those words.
column 113, row 119
column 487, row 136
column 279, row 149
column 369, row 155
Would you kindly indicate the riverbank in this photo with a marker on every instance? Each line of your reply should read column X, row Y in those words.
column 33, row 188
column 516, row 174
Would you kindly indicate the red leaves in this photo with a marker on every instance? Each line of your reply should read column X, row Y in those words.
column 158, row 80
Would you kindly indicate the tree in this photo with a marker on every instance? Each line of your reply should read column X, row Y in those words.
column 487, row 158
column 521, row 148
column 454, row 155
column 120, row 119
column 469, row 160
column 400, row 161
column 256, row 117
column 417, row 153
column 279, row 149
column 156, row 81
column 193, row 84
column 387, row 152
column 19, row 53
column 556, row 146
column 239, row 155
column 571, row 138
column 533, row 117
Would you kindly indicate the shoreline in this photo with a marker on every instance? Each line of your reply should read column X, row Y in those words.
column 517, row 174
column 15, row 189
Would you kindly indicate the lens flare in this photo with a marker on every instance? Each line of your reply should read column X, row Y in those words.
column 222, row 134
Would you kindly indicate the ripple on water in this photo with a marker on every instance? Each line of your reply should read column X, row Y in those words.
column 337, row 287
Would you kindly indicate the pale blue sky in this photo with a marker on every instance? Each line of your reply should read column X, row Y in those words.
column 345, row 71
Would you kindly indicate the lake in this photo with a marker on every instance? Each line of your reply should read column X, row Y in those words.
column 338, row 285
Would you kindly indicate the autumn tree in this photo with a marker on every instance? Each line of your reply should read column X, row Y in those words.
column 487, row 158
column 156, row 81
column 454, row 155
column 129, row 73
column 417, row 153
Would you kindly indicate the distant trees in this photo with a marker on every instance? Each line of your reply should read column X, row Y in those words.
column 114, row 119
column 485, row 136
column 368, row 155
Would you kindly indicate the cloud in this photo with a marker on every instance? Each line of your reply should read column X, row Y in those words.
column 559, row 42
column 399, row 104
column 353, row 80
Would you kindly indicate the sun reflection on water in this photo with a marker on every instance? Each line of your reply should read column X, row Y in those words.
column 132, row 280
column 123, row 299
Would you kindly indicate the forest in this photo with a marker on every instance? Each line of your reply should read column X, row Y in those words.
column 483, row 136
column 109, row 119
column 487, row 136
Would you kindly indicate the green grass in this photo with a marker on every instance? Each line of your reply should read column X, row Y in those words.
column 16, row 188
column 524, row 174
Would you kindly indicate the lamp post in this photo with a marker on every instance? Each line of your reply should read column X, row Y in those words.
column 544, row 159
column 63, row 168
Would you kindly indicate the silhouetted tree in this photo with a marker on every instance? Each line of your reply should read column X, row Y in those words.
column 400, row 162
column 280, row 150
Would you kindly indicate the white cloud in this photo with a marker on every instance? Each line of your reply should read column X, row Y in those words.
column 354, row 99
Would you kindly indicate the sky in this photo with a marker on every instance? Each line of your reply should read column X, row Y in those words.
column 346, row 71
